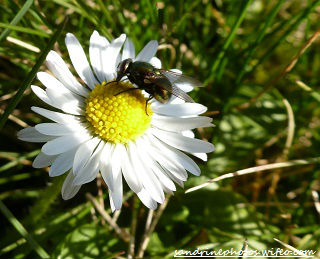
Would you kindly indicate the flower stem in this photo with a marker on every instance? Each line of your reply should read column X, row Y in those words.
column 120, row 232
column 134, row 222
column 150, row 227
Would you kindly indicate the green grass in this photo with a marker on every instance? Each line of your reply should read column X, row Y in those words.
column 236, row 50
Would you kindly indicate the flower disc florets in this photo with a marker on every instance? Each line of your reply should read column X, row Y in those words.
column 117, row 118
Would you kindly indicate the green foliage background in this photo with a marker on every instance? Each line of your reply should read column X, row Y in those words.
column 236, row 47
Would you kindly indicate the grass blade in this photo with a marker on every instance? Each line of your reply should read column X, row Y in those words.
column 23, row 29
column 18, row 160
column 26, row 83
column 259, row 39
column 298, row 21
column 229, row 40
column 16, row 19
column 19, row 227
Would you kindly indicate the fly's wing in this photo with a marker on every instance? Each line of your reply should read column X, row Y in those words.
column 180, row 79
column 164, row 83
column 176, row 91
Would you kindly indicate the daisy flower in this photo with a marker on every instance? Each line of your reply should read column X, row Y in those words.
column 95, row 130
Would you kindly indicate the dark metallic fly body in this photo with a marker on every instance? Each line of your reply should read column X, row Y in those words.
column 159, row 83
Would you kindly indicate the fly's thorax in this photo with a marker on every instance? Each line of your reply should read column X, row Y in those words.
column 142, row 67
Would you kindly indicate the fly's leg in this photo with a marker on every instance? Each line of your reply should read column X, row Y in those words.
column 111, row 82
column 127, row 90
column 149, row 99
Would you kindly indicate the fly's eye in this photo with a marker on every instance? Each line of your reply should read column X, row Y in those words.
column 124, row 65
column 120, row 68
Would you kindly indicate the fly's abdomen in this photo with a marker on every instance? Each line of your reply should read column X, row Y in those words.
column 160, row 92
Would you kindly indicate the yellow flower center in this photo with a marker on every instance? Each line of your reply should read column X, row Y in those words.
column 114, row 117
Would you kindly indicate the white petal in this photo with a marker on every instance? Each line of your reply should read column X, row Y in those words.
column 128, row 50
column 167, row 163
column 160, row 174
column 175, row 100
column 174, row 178
column 155, row 62
column 66, row 101
column 69, row 190
column 188, row 133
column 147, row 177
column 64, row 143
column 51, row 82
column 97, row 44
column 116, row 161
column 184, row 86
column 89, row 172
column 127, row 170
column 163, row 178
column 185, row 109
column 151, row 163
column 105, row 166
column 176, row 155
column 113, row 208
column 84, row 153
column 116, row 65
column 116, row 195
column 147, row 200
column 148, row 51
column 32, row 135
column 167, row 190
column 62, row 72
column 174, row 76
column 183, row 143
column 56, row 116
column 202, row 156
column 180, row 124
column 58, row 94
column 62, row 163
column 56, row 129
column 177, row 71
column 110, row 55
column 79, row 60
column 43, row 160
column 41, row 94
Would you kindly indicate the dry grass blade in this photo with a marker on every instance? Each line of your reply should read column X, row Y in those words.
column 257, row 169
column 150, row 227
column 291, row 127
column 16, row 120
column 315, row 197
column 291, row 248
column 124, row 235
column 23, row 44
column 285, row 71
column 134, row 223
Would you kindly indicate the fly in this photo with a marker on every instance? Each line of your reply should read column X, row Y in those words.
column 158, row 83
